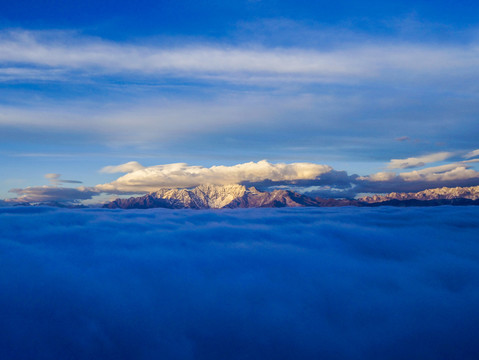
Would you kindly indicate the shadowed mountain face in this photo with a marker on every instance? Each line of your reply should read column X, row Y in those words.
column 238, row 196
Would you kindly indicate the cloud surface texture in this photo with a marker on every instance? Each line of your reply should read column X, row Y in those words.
column 29, row 52
column 180, row 175
column 52, row 193
column 418, row 161
column 262, row 284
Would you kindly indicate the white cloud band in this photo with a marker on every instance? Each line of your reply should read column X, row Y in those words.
column 25, row 51
column 182, row 175
column 418, row 161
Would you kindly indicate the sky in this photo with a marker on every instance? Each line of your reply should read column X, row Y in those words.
column 105, row 99
column 310, row 283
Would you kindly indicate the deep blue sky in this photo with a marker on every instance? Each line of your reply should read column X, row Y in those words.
column 348, row 84
column 126, row 19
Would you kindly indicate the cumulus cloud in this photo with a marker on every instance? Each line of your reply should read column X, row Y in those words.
column 308, row 178
column 454, row 171
column 182, row 175
column 455, row 174
column 418, row 161
column 459, row 173
column 52, row 193
column 272, row 283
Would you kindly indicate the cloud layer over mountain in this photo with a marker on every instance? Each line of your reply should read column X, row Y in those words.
column 449, row 175
column 318, row 179
column 280, row 284
column 306, row 177
column 146, row 179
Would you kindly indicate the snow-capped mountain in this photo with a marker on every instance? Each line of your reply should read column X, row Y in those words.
column 214, row 197
column 238, row 196
column 444, row 193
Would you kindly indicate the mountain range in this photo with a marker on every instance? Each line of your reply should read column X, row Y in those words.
column 443, row 193
column 238, row 196
column 214, row 197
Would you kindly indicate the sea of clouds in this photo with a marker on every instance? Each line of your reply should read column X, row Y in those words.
column 318, row 283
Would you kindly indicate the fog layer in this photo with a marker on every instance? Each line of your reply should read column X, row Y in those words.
column 347, row 283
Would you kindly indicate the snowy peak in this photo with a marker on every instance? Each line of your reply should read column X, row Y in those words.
column 444, row 193
column 214, row 197
column 238, row 196
column 217, row 197
column 202, row 197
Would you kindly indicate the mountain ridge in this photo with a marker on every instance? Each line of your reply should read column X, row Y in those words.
column 209, row 196
column 214, row 197
column 443, row 193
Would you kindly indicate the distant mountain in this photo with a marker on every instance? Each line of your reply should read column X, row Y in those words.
column 49, row 204
column 444, row 193
column 238, row 196
column 415, row 202
column 214, row 197
column 336, row 202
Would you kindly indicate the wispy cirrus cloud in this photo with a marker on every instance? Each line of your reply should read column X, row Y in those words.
column 23, row 51
column 472, row 154
column 313, row 95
